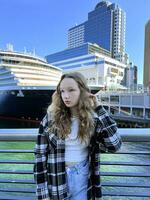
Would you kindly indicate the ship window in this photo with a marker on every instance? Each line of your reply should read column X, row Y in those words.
column 13, row 93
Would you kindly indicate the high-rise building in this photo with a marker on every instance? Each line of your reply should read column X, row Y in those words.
column 76, row 36
column 105, row 26
column 130, row 78
column 147, row 56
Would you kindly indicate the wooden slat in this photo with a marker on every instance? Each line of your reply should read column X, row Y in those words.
column 19, row 190
column 125, row 174
column 16, row 197
column 135, row 184
column 17, row 181
column 15, row 151
column 125, row 163
column 126, row 194
column 16, row 172
column 132, row 152
column 17, row 162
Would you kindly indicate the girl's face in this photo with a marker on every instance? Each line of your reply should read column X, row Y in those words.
column 70, row 92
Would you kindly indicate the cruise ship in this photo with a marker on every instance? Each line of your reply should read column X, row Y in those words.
column 27, row 83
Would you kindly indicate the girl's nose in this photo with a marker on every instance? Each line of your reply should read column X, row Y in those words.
column 66, row 95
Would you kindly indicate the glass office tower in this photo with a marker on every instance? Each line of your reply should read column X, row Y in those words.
column 98, row 28
column 105, row 26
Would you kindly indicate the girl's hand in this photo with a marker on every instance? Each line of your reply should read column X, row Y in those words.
column 94, row 100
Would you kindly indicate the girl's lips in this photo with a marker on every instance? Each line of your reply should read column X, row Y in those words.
column 67, row 102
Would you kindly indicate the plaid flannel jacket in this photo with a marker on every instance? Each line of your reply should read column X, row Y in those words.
column 49, row 168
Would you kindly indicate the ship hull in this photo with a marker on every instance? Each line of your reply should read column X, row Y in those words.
column 30, row 105
column 24, row 108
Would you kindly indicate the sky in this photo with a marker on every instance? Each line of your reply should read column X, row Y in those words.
column 42, row 25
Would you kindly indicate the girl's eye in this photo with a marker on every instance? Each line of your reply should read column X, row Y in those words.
column 61, row 91
column 71, row 90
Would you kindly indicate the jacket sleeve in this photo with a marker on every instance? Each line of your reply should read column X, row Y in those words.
column 40, row 166
column 107, row 136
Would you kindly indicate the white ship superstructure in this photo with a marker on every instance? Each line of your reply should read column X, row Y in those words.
column 19, row 69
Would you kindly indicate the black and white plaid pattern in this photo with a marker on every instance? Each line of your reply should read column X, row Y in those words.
column 49, row 168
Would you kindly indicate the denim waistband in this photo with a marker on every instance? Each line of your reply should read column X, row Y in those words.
column 78, row 165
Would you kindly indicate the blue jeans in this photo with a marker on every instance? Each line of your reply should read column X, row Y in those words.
column 77, row 180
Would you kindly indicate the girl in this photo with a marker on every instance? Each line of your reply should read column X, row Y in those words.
column 71, row 136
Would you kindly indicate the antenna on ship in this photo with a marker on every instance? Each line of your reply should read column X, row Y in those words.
column 34, row 51
column 9, row 47
column 25, row 50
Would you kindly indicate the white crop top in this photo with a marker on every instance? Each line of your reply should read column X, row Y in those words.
column 75, row 151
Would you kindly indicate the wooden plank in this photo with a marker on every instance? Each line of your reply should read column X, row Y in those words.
column 16, row 172
column 15, row 151
column 17, row 161
column 135, row 184
column 126, row 194
column 17, row 190
column 133, row 152
column 125, row 163
column 17, row 181
column 16, row 197
column 125, row 174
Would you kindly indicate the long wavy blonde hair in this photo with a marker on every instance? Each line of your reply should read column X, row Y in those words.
column 61, row 116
